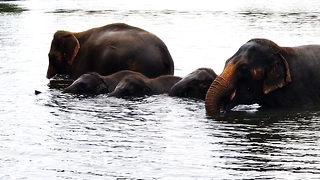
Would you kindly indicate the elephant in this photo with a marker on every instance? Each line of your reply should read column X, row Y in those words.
column 109, row 49
column 135, row 86
column 262, row 72
column 195, row 84
column 94, row 83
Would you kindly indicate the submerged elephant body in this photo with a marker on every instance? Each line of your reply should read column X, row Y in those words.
column 94, row 84
column 109, row 49
column 195, row 84
column 134, row 85
column 263, row 72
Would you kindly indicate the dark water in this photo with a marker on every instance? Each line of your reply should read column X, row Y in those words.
column 60, row 136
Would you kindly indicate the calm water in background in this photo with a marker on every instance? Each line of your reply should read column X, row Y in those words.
column 60, row 136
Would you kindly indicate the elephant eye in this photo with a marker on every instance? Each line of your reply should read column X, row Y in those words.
column 244, row 71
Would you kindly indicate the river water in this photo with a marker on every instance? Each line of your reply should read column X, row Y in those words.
column 60, row 136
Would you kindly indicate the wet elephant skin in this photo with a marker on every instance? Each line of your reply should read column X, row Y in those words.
column 265, row 73
column 195, row 84
column 133, row 85
column 94, row 83
column 108, row 49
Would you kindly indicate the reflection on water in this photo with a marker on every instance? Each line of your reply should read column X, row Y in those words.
column 272, row 141
column 64, row 136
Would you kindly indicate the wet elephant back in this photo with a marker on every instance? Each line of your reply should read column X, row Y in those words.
column 115, row 49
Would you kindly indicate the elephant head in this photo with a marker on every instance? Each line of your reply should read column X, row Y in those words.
column 64, row 49
column 132, row 86
column 91, row 83
column 255, row 70
column 195, row 84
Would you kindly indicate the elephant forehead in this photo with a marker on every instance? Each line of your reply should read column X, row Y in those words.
column 131, row 81
column 252, row 49
column 206, row 75
column 200, row 75
column 87, row 78
column 252, row 59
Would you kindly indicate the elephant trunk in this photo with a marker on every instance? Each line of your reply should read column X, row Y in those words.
column 179, row 89
column 221, row 91
column 50, row 72
column 69, row 89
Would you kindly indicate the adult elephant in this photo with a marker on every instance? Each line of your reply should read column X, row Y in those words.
column 109, row 49
column 195, row 84
column 94, row 84
column 133, row 85
column 263, row 72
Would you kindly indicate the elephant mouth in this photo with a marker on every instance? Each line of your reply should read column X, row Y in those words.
column 226, row 102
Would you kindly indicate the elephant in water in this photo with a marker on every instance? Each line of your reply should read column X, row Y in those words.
column 134, row 85
column 108, row 49
column 94, row 84
column 195, row 84
column 265, row 73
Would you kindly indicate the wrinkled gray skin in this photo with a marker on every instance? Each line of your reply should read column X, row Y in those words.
column 272, row 76
column 94, row 84
column 108, row 49
column 195, row 84
column 133, row 86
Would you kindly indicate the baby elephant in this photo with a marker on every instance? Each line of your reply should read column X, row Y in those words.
column 93, row 83
column 195, row 84
column 134, row 85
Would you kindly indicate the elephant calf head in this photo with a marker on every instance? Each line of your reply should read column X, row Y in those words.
column 64, row 49
column 255, row 70
column 90, row 83
column 132, row 86
column 195, row 84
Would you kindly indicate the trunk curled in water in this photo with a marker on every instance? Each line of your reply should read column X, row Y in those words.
column 220, row 91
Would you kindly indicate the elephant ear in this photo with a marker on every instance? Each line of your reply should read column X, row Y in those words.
column 278, row 76
column 69, row 45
